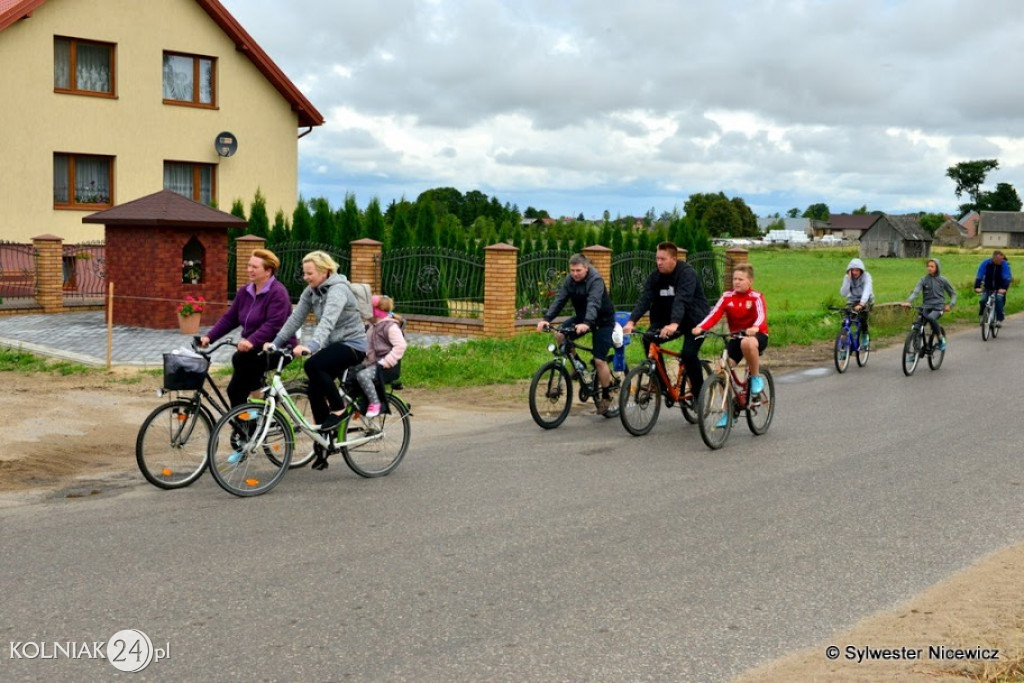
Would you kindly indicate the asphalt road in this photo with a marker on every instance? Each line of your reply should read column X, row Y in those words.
column 502, row 552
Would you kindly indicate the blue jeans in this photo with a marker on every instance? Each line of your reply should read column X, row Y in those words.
column 1000, row 302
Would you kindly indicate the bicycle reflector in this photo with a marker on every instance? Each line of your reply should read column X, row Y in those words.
column 252, row 482
column 166, row 471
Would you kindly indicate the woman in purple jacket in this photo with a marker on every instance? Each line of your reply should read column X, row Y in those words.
column 261, row 310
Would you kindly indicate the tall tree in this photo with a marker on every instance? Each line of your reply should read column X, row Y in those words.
column 373, row 221
column 969, row 177
column 426, row 225
column 818, row 212
column 931, row 221
column 1005, row 198
column 793, row 213
column 862, row 211
column 259, row 222
column 302, row 222
column 323, row 222
column 279, row 231
column 350, row 224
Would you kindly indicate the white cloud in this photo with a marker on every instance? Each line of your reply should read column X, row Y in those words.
column 783, row 102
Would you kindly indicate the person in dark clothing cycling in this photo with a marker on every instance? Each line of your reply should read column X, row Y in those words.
column 674, row 298
column 993, row 278
column 594, row 313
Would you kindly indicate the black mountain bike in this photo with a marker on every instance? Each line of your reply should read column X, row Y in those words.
column 922, row 342
column 551, row 388
column 989, row 324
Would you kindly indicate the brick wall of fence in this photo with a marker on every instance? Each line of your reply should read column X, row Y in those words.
column 499, row 305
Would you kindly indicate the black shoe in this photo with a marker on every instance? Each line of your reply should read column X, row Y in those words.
column 330, row 422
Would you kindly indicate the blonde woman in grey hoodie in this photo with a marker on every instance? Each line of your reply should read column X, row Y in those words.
column 339, row 339
column 859, row 293
column 933, row 289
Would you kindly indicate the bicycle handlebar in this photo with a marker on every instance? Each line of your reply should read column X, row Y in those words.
column 206, row 351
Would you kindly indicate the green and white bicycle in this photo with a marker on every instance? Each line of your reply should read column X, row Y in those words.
column 252, row 445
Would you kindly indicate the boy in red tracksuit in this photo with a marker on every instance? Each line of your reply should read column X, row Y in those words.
column 745, row 312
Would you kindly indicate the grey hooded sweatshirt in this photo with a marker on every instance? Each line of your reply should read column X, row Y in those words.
column 857, row 290
column 933, row 289
column 336, row 312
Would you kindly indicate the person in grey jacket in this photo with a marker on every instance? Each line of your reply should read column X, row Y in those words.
column 859, row 293
column 339, row 339
column 933, row 289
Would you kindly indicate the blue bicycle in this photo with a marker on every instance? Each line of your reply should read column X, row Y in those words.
column 850, row 340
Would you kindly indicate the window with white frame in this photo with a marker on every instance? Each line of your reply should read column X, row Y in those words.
column 189, row 79
column 82, row 181
column 83, row 67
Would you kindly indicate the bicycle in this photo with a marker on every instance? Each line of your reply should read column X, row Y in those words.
column 989, row 324
column 171, row 446
column 252, row 445
column 551, row 388
column 849, row 340
column 724, row 395
column 661, row 375
column 920, row 344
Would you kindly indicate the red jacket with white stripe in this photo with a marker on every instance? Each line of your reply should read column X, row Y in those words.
column 741, row 311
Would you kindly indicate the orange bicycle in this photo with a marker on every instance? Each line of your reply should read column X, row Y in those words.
column 662, row 375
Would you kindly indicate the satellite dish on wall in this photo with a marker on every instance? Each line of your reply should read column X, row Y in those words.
column 226, row 144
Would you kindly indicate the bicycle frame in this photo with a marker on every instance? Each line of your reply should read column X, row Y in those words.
column 568, row 353
column 674, row 390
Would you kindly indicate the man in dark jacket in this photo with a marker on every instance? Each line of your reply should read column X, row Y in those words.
column 594, row 313
column 675, row 299
column 993, row 278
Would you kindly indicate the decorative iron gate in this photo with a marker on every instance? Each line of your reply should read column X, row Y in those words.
column 434, row 281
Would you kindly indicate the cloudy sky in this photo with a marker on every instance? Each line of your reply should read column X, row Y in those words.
column 582, row 106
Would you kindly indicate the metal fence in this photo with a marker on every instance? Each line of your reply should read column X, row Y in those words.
column 291, row 254
column 629, row 272
column 17, row 271
column 538, row 277
column 85, row 270
column 434, row 281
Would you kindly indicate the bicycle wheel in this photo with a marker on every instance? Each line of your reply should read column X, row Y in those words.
column 714, row 405
column 171, row 446
column 303, row 452
column 250, row 450
column 841, row 354
column 988, row 323
column 550, row 395
column 761, row 408
column 863, row 348
column 911, row 352
column 640, row 400
column 688, row 403
column 995, row 324
column 937, row 355
column 390, row 431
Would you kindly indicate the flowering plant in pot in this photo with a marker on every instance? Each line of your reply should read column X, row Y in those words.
column 192, row 305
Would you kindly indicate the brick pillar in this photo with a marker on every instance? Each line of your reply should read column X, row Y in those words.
column 500, row 263
column 733, row 257
column 244, row 246
column 682, row 254
column 601, row 257
column 365, row 263
column 49, row 272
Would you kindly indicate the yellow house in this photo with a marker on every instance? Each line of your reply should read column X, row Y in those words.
column 106, row 101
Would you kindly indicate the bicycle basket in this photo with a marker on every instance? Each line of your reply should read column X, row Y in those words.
column 184, row 372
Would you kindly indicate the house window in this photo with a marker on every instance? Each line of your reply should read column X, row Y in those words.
column 189, row 79
column 83, row 67
column 82, row 181
column 195, row 181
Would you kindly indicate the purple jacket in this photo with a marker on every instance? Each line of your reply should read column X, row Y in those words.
column 260, row 314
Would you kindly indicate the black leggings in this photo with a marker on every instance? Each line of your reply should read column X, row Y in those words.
column 322, row 368
column 249, row 369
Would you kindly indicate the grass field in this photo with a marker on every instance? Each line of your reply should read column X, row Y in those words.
column 799, row 285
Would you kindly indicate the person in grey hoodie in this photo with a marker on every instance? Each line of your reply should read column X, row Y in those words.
column 859, row 293
column 933, row 289
column 339, row 338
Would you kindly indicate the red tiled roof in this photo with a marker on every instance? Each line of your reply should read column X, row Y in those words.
column 13, row 10
column 165, row 208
